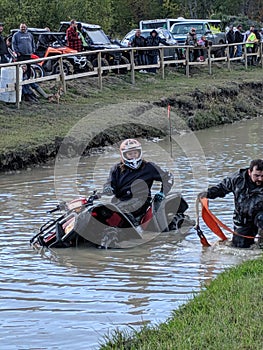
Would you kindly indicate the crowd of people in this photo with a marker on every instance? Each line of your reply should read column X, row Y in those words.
column 23, row 45
column 144, row 56
column 235, row 36
column 251, row 38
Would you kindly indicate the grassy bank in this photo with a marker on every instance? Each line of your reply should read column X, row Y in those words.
column 33, row 133
column 225, row 315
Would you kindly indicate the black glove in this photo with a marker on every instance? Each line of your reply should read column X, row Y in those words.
column 259, row 220
column 159, row 196
column 108, row 190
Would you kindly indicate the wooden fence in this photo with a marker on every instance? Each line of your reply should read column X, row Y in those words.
column 131, row 66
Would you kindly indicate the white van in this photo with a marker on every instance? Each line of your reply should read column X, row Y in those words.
column 168, row 22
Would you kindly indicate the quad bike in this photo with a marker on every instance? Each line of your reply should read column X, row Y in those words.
column 96, row 39
column 76, row 63
column 105, row 226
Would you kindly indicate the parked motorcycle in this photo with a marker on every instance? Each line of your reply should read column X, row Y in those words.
column 91, row 222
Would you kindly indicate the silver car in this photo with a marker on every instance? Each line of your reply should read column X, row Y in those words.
column 169, row 53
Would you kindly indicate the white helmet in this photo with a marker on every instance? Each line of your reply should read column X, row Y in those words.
column 131, row 145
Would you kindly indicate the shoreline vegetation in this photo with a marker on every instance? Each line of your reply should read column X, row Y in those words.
column 228, row 313
column 225, row 315
column 33, row 134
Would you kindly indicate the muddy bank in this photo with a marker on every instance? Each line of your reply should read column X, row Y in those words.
column 197, row 109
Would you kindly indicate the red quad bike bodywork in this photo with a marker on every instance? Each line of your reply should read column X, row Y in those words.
column 104, row 225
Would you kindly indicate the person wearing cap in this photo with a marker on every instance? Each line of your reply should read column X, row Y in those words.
column 251, row 45
column 3, row 47
column 191, row 40
column 154, row 40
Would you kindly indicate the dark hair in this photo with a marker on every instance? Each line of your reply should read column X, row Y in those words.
column 258, row 163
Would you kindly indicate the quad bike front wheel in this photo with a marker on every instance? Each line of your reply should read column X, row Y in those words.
column 36, row 71
column 123, row 60
column 68, row 67
column 104, row 63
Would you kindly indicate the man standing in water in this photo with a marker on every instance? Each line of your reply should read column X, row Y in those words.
column 247, row 188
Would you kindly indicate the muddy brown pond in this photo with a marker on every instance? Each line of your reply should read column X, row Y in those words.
column 72, row 297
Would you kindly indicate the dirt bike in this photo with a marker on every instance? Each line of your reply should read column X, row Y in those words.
column 36, row 70
column 106, row 226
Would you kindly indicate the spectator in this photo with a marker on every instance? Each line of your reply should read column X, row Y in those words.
column 3, row 47
column 230, row 38
column 140, row 57
column 82, row 32
column 28, row 93
column 73, row 36
column 23, row 44
column 44, row 41
column 251, row 45
column 203, row 44
column 154, row 40
column 191, row 40
column 239, row 38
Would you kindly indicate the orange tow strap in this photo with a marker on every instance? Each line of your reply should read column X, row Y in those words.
column 212, row 221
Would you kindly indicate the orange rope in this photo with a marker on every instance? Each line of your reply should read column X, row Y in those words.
column 214, row 223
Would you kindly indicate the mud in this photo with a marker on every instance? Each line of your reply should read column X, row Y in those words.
column 198, row 109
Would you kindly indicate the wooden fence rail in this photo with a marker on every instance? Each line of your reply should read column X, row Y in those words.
column 131, row 66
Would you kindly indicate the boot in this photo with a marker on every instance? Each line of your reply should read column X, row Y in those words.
column 42, row 92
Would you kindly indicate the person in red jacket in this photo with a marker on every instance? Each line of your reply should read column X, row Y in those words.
column 73, row 36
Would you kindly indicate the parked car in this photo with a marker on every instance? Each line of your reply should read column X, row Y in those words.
column 181, row 29
column 169, row 53
column 97, row 40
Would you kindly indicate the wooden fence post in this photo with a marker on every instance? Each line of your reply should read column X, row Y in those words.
column 162, row 61
column 99, row 71
column 132, row 66
column 62, row 75
column 17, row 86
column 245, row 56
column 187, row 58
column 209, row 60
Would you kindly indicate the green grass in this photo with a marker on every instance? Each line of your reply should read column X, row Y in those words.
column 35, row 125
column 226, row 315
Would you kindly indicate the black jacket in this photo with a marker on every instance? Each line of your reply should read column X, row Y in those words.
column 128, row 183
column 239, row 38
column 230, row 37
column 155, row 41
column 3, row 47
column 248, row 196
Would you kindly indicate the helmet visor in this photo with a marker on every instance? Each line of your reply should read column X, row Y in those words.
column 132, row 154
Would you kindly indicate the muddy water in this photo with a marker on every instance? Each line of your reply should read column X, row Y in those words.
column 70, row 298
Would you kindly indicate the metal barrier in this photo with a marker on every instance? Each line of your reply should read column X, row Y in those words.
column 131, row 66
